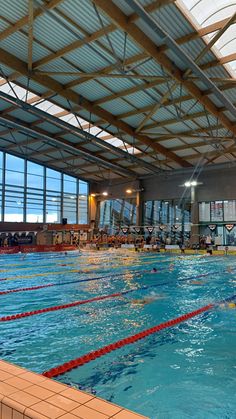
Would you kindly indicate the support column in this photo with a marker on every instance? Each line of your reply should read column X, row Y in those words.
column 194, row 238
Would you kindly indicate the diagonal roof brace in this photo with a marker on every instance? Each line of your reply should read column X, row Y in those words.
column 16, row 123
column 172, row 44
column 78, row 132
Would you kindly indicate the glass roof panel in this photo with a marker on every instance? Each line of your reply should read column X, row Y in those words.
column 208, row 12
column 55, row 110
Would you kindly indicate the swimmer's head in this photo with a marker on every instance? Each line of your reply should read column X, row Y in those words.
column 232, row 305
column 154, row 269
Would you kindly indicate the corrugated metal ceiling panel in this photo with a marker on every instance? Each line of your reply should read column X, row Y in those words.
column 14, row 10
column 89, row 60
column 91, row 90
column 117, row 106
column 47, row 28
column 82, row 12
column 118, row 41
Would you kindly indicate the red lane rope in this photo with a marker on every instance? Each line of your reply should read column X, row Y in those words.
column 59, row 307
column 75, row 303
column 37, row 287
column 78, row 362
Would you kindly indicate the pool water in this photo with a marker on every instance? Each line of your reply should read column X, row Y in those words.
column 186, row 371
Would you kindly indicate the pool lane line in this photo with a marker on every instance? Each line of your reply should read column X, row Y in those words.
column 90, row 300
column 91, row 356
column 143, row 271
column 13, row 290
column 80, row 302
column 67, row 258
column 16, row 277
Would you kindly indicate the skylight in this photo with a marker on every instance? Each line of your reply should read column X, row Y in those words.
column 208, row 12
column 59, row 112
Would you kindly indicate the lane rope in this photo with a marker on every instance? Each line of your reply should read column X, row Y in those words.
column 91, row 356
column 81, row 271
column 37, row 287
column 143, row 271
column 90, row 300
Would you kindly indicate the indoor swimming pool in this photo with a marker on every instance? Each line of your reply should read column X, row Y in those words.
column 186, row 370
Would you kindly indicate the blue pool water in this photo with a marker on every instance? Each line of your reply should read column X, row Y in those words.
column 187, row 371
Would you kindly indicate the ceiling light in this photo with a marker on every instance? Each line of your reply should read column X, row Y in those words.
column 105, row 193
column 129, row 191
column 187, row 184
column 191, row 183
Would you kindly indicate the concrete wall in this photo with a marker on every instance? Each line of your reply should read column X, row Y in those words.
column 217, row 183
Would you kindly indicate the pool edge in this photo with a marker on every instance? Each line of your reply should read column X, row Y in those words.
column 28, row 395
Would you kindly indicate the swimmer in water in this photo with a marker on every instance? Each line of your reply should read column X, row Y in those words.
column 147, row 300
column 196, row 282
column 154, row 270
column 228, row 305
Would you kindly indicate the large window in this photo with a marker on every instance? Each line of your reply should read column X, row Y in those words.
column 217, row 211
column 117, row 212
column 53, row 196
column 70, row 199
column 83, row 202
column 35, row 193
column 14, row 189
column 32, row 193
column 1, row 182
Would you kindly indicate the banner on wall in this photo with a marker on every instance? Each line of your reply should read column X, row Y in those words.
column 175, row 227
column 137, row 230
column 150, row 229
column 162, row 227
column 212, row 227
column 229, row 227
column 125, row 230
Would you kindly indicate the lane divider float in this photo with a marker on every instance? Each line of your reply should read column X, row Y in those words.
column 81, row 271
column 91, row 356
column 37, row 287
column 90, row 300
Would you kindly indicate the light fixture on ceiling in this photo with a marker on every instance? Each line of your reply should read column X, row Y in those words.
column 130, row 191
column 189, row 183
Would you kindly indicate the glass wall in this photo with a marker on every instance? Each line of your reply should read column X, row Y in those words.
column 117, row 212
column 14, row 188
column 1, row 182
column 218, row 219
column 217, row 211
column 172, row 215
column 32, row 193
column 35, row 193
column 83, row 202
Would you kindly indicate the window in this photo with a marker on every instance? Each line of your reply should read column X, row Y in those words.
column 117, row 212
column 1, row 179
column 53, row 196
column 83, row 202
column 70, row 199
column 14, row 189
column 35, row 193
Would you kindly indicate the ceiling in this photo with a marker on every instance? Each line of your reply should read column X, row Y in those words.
column 118, row 89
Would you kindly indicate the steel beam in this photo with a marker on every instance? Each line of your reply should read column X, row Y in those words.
column 172, row 44
column 65, row 126
column 15, row 123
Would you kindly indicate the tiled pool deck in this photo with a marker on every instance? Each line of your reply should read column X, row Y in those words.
column 27, row 395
